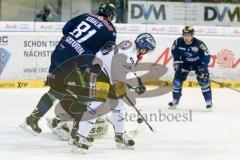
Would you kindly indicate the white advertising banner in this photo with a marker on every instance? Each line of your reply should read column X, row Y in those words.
column 13, row 26
column 122, row 28
column 26, row 56
column 49, row 27
column 29, row 55
column 208, row 14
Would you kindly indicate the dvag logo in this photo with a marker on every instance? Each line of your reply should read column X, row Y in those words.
column 140, row 11
column 213, row 13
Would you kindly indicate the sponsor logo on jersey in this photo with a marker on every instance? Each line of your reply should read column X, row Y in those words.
column 75, row 45
column 193, row 59
column 188, row 54
column 194, row 49
column 181, row 48
column 92, row 85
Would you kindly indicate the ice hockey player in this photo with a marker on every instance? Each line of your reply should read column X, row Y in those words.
column 83, row 35
column 190, row 54
column 143, row 44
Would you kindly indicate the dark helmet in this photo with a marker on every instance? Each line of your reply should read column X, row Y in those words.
column 146, row 40
column 188, row 30
column 106, row 10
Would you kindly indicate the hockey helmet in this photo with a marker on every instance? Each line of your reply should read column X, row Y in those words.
column 106, row 10
column 188, row 30
column 145, row 41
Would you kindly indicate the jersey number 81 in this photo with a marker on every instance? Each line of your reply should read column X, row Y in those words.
column 83, row 27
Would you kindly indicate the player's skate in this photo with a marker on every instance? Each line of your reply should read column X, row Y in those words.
column 209, row 106
column 74, row 137
column 59, row 128
column 123, row 141
column 31, row 125
column 80, row 146
column 173, row 104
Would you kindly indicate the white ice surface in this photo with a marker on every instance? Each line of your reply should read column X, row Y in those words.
column 210, row 135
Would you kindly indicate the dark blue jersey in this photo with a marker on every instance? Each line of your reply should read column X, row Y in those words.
column 193, row 55
column 90, row 31
column 84, row 34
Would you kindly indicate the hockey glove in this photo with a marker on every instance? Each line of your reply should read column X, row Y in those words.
column 202, row 73
column 140, row 89
column 178, row 65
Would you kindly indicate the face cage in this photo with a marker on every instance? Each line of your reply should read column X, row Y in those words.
column 147, row 51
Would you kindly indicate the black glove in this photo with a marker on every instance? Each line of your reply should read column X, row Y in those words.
column 140, row 89
column 178, row 66
column 202, row 73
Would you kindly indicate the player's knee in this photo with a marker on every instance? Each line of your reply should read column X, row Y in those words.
column 45, row 103
column 92, row 121
column 48, row 99
column 180, row 76
column 177, row 84
column 204, row 84
column 118, row 115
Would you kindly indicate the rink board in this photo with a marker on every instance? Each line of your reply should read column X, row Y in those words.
column 29, row 57
column 149, row 84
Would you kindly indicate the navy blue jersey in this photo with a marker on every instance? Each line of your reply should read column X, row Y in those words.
column 84, row 34
column 193, row 54
column 90, row 31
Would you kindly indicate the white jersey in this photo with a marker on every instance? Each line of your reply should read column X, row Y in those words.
column 120, row 63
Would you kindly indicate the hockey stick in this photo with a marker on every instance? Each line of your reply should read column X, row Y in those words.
column 138, row 112
column 216, row 82
column 225, row 85
column 133, row 132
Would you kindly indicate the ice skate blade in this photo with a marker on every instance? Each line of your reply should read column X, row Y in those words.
column 209, row 109
column 60, row 133
column 124, row 147
column 28, row 129
column 70, row 142
column 172, row 107
column 49, row 125
column 79, row 150
column 133, row 133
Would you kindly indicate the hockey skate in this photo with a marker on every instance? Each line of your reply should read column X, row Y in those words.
column 74, row 137
column 31, row 125
column 123, row 141
column 59, row 128
column 80, row 145
column 173, row 104
column 209, row 106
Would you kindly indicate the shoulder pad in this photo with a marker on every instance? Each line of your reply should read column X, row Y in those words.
column 125, row 45
column 203, row 47
column 178, row 42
